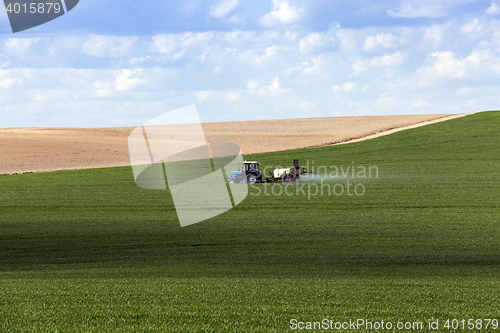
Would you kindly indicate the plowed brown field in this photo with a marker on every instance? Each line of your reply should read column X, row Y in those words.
column 50, row 149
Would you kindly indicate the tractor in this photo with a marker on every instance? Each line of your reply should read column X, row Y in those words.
column 248, row 172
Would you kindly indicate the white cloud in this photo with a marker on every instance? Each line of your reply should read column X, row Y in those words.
column 315, row 42
column 473, row 26
column 102, row 89
column 493, row 9
column 107, row 46
column 348, row 86
column 273, row 89
column 20, row 46
column 358, row 67
column 138, row 60
column 240, row 38
column 434, row 35
column 240, row 70
column 233, row 96
column 4, row 61
column 419, row 8
column 202, row 57
column 8, row 79
column 348, row 40
column 420, row 103
column 317, row 64
column 464, row 91
column 111, row 81
column 445, row 65
column 388, row 60
column 190, row 39
column 471, row 102
column 175, row 46
column 426, row 8
column 164, row 43
column 202, row 96
column 217, row 70
column 236, row 19
column 307, row 105
column 283, row 12
column 223, row 8
column 39, row 96
column 257, row 57
column 290, row 36
column 386, row 100
column 381, row 41
column 126, row 79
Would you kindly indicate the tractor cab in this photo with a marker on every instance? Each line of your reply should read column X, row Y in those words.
column 251, row 166
column 248, row 172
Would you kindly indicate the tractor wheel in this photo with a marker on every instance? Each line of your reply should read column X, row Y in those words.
column 251, row 179
column 286, row 178
column 230, row 181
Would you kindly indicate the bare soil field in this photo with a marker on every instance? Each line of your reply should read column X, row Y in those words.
column 51, row 149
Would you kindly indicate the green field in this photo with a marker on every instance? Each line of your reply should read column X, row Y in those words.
column 90, row 251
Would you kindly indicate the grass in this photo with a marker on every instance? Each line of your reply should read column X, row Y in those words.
column 90, row 251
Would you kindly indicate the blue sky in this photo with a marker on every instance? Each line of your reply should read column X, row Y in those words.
column 120, row 63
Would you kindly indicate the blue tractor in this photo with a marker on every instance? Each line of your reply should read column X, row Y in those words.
column 248, row 172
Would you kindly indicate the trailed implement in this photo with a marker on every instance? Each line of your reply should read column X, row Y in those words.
column 288, row 174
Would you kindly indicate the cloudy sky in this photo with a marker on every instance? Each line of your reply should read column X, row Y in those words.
column 114, row 63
